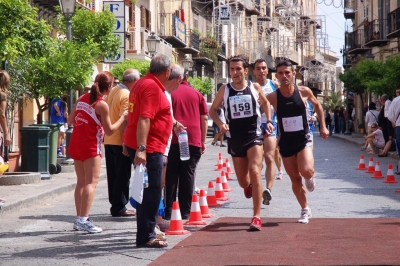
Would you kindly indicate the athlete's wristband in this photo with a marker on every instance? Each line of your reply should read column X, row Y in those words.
column 269, row 121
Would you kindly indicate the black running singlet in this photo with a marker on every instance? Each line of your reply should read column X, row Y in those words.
column 293, row 123
column 243, row 113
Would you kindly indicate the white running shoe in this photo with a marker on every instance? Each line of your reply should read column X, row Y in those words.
column 76, row 227
column 87, row 226
column 310, row 184
column 305, row 216
column 279, row 175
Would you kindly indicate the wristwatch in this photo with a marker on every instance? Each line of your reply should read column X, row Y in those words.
column 269, row 121
column 142, row 148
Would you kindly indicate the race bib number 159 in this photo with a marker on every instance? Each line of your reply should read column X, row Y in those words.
column 241, row 106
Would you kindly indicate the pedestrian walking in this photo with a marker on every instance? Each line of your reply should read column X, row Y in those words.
column 118, row 163
column 90, row 117
column 57, row 117
column 295, row 143
column 146, row 137
column 243, row 101
column 218, row 135
column 190, row 109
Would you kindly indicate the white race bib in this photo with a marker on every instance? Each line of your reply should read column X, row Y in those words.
column 241, row 106
column 292, row 124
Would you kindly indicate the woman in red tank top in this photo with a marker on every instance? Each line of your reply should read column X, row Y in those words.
column 91, row 119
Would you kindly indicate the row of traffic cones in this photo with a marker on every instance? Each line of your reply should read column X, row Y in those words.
column 199, row 208
column 376, row 170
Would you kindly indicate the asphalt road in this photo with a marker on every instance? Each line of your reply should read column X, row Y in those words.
column 43, row 235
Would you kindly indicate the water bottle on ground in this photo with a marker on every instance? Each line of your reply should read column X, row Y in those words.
column 145, row 178
column 183, row 145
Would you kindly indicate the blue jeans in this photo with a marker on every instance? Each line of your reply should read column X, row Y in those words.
column 147, row 211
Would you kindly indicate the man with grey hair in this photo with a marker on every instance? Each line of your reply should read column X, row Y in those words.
column 191, row 110
column 175, row 78
column 145, row 138
column 119, row 165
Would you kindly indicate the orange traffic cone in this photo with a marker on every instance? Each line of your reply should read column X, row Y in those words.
column 371, row 166
column 211, row 199
column 361, row 165
column 205, row 213
column 219, row 165
column 228, row 167
column 175, row 225
column 224, row 182
column 219, row 191
column 195, row 218
column 378, row 172
column 227, row 177
column 219, row 158
column 390, row 175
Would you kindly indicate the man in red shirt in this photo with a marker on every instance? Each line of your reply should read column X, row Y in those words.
column 145, row 138
column 190, row 109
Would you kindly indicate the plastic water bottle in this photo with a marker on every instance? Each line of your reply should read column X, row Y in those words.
column 145, row 179
column 184, row 145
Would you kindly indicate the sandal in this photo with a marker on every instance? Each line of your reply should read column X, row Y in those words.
column 155, row 243
column 397, row 173
column 161, row 237
column 363, row 148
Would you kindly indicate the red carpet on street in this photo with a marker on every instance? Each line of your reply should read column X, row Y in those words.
column 283, row 241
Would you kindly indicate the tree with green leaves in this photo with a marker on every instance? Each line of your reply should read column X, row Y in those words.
column 68, row 64
column 204, row 86
column 335, row 99
column 142, row 66
column 20, row 31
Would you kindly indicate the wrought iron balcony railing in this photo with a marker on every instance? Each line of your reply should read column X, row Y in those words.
column 375, row 32
column 393, row 23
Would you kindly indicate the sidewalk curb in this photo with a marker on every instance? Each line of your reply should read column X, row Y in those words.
column 40, row 197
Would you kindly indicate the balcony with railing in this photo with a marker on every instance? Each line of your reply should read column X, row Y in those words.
column 394, row 24
column 356, row 42
column 375, row 33
column 173, row 30
column 252, row 7
column 350, row 9
column 193, row 43
column 137, row 46
column 222, row 54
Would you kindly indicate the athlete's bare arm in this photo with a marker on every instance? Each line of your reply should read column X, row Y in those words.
column 307, row 95
column 214, row 107
column 272, row 99
column 265, row 106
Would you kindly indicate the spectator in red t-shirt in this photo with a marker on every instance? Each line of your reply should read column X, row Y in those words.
column 190, row 109
column 145, row 137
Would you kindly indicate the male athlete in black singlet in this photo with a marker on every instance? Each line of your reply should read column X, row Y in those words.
column 295, row 143
column 242, row 102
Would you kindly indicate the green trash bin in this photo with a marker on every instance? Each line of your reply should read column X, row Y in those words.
column 54, row 167
column 35, row 150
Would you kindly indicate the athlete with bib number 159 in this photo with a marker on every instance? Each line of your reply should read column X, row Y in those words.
column 243, row 101
column 295, row 141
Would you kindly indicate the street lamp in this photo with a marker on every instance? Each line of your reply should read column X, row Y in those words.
column 187, row 63
column 68, row 10
column 153, row 42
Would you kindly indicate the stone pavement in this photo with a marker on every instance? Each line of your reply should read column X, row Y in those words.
column 42, row 234
column 27, row 195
